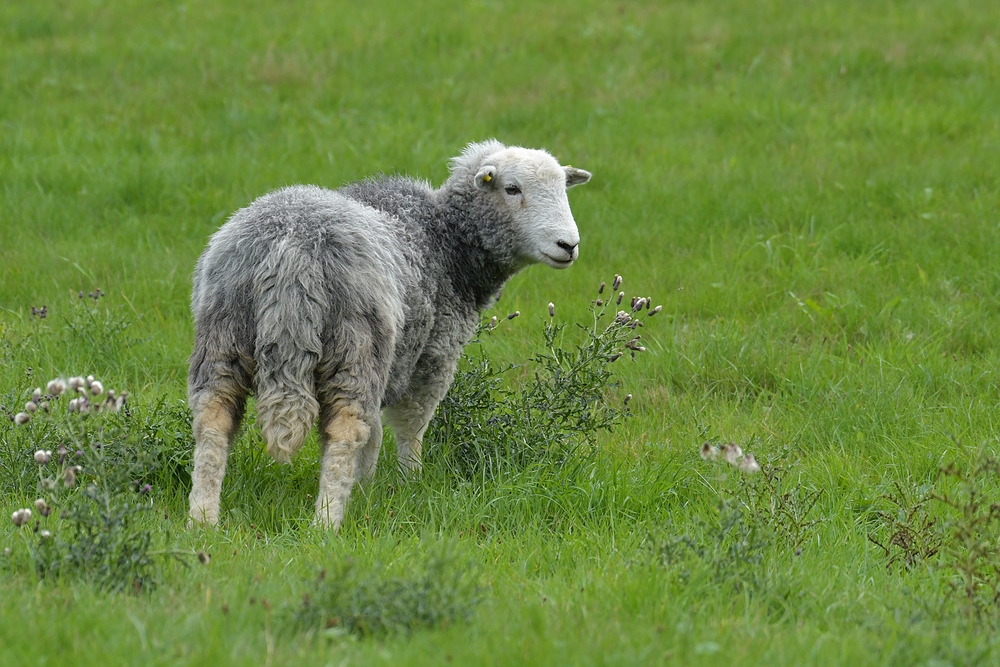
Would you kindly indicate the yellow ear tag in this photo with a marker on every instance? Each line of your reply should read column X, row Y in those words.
column 487, row 178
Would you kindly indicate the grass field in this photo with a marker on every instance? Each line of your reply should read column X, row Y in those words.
column 811, row 190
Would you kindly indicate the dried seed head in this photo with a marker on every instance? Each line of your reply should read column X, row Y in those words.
column 493, row 322
column 599, row 302
column 600, row 290
column 655, row 310
column 44, row 534
column 204, row 558
column 96, row 388
column 76, row 383
column 40, row 505
column 21, row 517
column 613, row 358
column 732, row 453
column 628, row 397
column 552, row 309
column 44, row 405
column 30, row 406
column 89, row 380
column 639, row 304
column 748, row 464
column 43, row 456
column 621, row 295
column 617, row 282
column 55, row 387
column 70, row 477
column 22, row 418
column 709, row 452
column 120, row 401
column 36, row 395
column 74, row 405
column 516, row 313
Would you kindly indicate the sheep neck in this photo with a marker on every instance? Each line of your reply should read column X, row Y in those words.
column 475, row 241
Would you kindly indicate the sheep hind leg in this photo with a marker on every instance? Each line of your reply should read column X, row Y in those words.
column 216, row 419
column 345, row 431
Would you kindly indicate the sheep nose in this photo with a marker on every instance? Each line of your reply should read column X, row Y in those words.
column 567, row 247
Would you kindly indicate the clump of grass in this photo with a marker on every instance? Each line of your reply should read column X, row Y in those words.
column 483, row 427
column 440, row 589
column 91, row 489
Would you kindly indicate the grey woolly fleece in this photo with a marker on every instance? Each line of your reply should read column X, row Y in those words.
column 314, row 293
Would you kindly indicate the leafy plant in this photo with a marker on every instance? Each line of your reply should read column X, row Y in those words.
column 908, row 534
column 92, row 489
column 971, row 542
column 483, row 427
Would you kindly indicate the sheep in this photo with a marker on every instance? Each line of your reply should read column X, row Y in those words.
column 338, row 305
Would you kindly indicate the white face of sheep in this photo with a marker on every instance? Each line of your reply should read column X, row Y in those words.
column 531, row 186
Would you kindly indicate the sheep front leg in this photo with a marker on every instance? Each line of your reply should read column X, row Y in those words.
column 368, row 457
column 409, row 419
column 346, row 432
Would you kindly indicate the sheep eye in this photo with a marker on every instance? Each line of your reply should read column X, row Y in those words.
column 512, row 190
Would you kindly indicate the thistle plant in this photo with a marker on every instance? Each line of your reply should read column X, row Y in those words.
column 483, row 426
column 92, row 491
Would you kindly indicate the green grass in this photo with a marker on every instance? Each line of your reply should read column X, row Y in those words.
column 811, row 190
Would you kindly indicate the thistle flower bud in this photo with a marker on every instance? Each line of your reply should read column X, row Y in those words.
column 146, row 488
column 617, row 282
column 36, row 395
column 30, row 406
column 600, row 290
column 552, row 309
column 613, row 358
column 43, row 456
column 599, row 302
column 55, row 387
column 748, row 464
column 621, row 295
column 709, row 452
column 655, row 310
column 516, row 313
column 22, row 418
column 96, row 388
column 628, row 397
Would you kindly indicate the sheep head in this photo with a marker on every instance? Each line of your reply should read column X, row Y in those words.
column 530, row 186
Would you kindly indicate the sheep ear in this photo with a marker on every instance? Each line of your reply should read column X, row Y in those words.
column 486, row 178
column 576, row 176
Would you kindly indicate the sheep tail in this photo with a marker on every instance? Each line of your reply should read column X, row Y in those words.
column 288, row 347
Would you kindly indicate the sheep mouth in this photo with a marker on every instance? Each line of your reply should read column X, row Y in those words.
column 557, row 263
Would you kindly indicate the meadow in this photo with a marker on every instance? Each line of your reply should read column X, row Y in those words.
column 810, row 189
